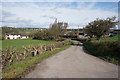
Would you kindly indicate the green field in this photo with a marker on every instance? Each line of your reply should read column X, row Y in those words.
column 0, row 44
column 115, row 38
column 28, row 30
column 23, row 42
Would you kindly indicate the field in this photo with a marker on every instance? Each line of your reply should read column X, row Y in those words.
column 23, row 42
column 0, row 44
column 28, row 31
column 115, row 38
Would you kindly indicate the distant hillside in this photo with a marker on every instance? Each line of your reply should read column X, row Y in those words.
column 10, row 30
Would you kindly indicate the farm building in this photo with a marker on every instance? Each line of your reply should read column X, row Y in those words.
column 24, row 36
column 15, row 36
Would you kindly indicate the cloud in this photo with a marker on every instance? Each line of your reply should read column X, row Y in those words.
column 51, row 17
column 16, row 22
column 7, row 14
column 42, row 14
column 0, row 14
column 59, row 0
column 91, row 5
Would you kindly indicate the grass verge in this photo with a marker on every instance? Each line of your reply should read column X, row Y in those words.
column 19, row 69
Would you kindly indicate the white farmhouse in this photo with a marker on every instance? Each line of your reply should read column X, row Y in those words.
column 23, row 37
column 15, row 36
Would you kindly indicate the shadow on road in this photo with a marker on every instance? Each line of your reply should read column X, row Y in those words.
column 76, row 43
column 86, row 50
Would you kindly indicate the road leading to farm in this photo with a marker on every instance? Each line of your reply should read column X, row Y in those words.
column 74, row 63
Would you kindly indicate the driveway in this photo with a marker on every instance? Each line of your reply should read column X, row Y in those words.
column 74, row 63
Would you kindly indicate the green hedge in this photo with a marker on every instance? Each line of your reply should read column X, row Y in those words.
column 107, row 50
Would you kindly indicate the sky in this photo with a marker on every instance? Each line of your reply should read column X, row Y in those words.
column 42, row 14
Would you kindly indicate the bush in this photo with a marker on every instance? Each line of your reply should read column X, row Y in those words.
column 104, row 49
column 3, row 37
column 44, row 35
column 81, row 39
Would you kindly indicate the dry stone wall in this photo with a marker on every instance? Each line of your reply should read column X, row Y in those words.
column 11, row 54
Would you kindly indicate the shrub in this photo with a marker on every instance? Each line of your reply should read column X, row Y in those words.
column 3, row 37
column 44, row 35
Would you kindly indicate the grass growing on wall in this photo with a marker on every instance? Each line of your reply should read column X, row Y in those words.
column 19, row 68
